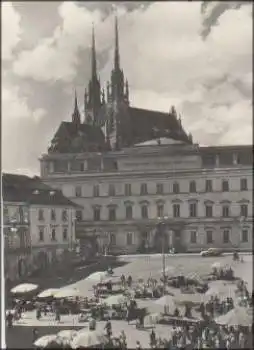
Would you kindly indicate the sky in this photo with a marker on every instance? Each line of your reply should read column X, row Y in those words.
column 196, row 56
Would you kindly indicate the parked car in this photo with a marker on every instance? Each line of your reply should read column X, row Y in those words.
column 211, row 252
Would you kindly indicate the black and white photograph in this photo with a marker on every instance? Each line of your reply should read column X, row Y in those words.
column 127, row 175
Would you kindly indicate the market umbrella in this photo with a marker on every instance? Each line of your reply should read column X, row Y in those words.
column 221, row 290
column 24, row 288
column 87, row 339
column 68, row 293
column 48, row 293
column 239, row 316
column 195, row 276
column 217, row 265
column 166, row 300
column 97, row 276
column 115, row 299
column 67, row 334
column 46, row 340
column 189, row 298
column 168, row 303
column 152, row 319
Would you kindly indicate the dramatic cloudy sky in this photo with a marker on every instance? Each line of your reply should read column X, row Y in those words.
column 194, row 55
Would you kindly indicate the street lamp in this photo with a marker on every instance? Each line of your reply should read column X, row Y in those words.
column 162, row 234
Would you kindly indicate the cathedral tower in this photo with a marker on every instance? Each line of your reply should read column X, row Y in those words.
column 93, row 95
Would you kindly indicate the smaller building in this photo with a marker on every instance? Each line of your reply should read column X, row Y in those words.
column 39, row 226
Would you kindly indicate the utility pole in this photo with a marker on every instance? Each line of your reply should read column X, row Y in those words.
column 163, row 258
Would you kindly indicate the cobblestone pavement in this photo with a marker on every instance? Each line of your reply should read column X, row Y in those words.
column 139, row 267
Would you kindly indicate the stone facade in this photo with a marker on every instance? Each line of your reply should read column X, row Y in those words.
column 38, row 225
column 145, row 178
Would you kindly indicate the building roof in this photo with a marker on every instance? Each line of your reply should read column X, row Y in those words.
column 71, row 139
column 21, row 188
column 148, row 124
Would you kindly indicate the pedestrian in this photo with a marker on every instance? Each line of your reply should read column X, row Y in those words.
column 38, row 313
column 138, row 345
column 152, row 339
column 123, row 340
column 35, row 334
column 58, row 317
column 108, row 327
column 9, row 319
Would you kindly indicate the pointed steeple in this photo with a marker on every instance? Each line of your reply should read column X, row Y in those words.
column 93, row 58
column 76, row 115
column 93, row 99
column 117, row 56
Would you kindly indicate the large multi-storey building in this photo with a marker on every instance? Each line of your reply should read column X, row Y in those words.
column 38, row 225
column 131, row 169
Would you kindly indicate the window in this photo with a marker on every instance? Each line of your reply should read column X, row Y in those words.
column 245, row 236
column 127, row 189
column 208, row 210
column 53, row 215
column 244, row 185
column 144, row 212
column 143, row 189
column 97, row 214
column 209, row 237
column 225, row 186
column 112, row 214
column 41, row 234
column 193, row 238
column 81, row 167
column 40, row 215
column 111, row 190
column 129, row 238
column 78, row 191
column 160, row 210
column 128, row 210
column 96, row 191
column 225, row 211
column 65, row 234
column 159, row 188
column 176, row 210
column 64, row 215
column 79, row 215
column 193, row 210
column 225, row 236
column 244, row 210
column 208, row 186
column 176, row 188
column 192, row 187
column 53, row 234
column 112, row 239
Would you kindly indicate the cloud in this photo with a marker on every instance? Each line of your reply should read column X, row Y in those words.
column 15, row 106
column 165, row 59
column 56, row 57
column 11, row 30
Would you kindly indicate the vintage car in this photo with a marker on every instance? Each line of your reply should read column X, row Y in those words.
column 211, row 252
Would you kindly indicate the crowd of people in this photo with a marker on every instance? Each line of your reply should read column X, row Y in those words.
column 204, row 334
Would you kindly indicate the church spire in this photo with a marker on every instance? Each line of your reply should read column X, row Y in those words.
column 76, row 115
column 117, row 76
column 93, row 98
column 117, row 56
column 94, row 66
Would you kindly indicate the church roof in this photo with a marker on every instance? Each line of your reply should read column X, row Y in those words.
column 21, row 188
column 149, row 124
column 69, row 137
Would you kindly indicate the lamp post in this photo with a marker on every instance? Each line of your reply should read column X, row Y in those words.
column 162, row 234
